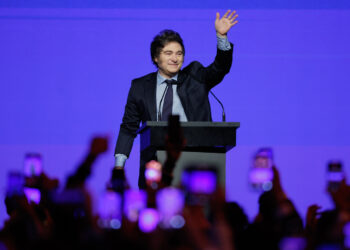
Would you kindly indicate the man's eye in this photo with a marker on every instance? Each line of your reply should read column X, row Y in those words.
column 167, row 53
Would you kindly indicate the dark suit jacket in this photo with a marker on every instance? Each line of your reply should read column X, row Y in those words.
column 194, row 83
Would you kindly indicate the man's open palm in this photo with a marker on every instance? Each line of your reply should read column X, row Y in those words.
column 224, row 24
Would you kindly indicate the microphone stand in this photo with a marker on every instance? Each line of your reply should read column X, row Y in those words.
column 222, row 106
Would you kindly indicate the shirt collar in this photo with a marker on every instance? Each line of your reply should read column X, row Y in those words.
column 161, row 79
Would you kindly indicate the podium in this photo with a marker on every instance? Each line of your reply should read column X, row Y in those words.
column 206, row 144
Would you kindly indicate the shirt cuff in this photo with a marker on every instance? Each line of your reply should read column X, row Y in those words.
column 120, row 160
column 223, row 43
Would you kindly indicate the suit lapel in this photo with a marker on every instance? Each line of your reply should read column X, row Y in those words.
column 181, row 92
column 150, row 92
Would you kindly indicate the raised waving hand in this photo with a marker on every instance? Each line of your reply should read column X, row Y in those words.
column 226, row 22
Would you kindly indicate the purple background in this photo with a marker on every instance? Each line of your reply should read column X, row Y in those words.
column 65, row 74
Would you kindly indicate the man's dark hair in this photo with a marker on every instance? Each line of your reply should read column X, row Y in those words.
column 163, row 38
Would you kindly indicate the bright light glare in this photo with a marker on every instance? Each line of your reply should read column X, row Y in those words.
column 148, row 220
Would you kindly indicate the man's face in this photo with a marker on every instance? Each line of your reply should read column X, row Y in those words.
column 170, row 59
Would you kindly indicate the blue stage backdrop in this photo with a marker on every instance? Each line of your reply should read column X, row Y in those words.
column 65, row 72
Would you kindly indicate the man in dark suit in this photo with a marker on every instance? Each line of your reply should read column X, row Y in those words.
column 171, row 90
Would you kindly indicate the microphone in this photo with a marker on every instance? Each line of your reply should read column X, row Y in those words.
column 222, row 106
column 172, row 81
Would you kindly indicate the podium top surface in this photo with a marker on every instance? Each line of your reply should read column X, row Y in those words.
column 199, row 124
column 200, row 136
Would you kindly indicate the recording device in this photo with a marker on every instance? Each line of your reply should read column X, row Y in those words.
column 134, row 202
column 72, row 202
column 32, row 165
column 17, row 193
column 110, row 211
column 261, row 173
column 148, row 221
column 32, row 194
column 346, row 233
column 15, row 184
column 153, row 172
column 295, row 243
column 118, row 181
column 170, row 203
column 335, row 175
column 199, row 182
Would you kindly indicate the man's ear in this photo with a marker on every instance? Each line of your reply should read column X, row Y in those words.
column 156, row 60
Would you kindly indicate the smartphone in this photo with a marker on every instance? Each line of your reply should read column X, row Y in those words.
column 148, row 221
column 118, row 181
column 32, row 165
column 153, row 172
column 134, row 202
column 335, row 175
column 295, row 243
column 261, row 173
column 110, row 212
column 199, row 182
column 346, row 233
column 69, row 196
column 170, row 203
column 202, row 182
column 32, row 194
column 15, row 184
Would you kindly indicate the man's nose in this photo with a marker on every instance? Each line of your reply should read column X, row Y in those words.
column 174, row 57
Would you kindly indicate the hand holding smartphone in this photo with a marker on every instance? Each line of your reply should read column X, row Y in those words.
column 199, row 182
column 134, row 202
column 110, row 213
column 15, row 184
column 153, row 172
column 335, row 175
column 170, row 203
column 32, row 165
column 261, row 173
